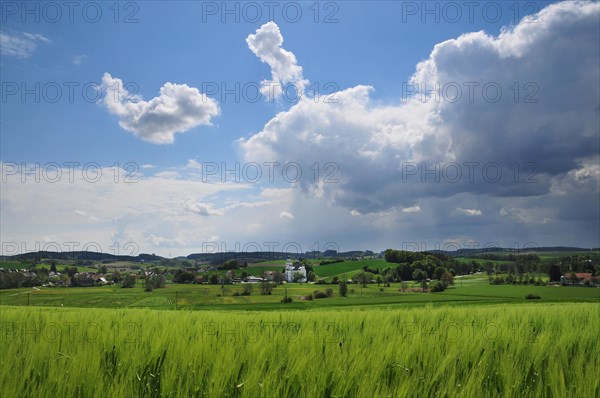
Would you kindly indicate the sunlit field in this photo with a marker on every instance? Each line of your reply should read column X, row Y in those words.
column 520, row 350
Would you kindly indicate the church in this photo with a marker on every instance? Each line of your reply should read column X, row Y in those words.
column 293, row 268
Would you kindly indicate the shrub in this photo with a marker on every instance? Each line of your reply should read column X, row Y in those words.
column 309, row 297
column 247, row 290
column 286, row 300
column 128, row 281
column 532, row 297
column 438, row 287
column 318, row 294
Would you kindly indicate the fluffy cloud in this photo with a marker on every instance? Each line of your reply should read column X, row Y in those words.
column 177, row 109
column 266, row 43
column 515, row 142
column 20, row 46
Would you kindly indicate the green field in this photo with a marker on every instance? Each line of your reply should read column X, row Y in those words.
column 473, row 290
column 521, row 350
column 190, row 340
column 350, row 267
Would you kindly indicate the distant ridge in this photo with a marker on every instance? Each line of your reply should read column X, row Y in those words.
column 81, row 255
column 258, row 256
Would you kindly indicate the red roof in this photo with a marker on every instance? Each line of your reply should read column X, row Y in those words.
column 580, row 275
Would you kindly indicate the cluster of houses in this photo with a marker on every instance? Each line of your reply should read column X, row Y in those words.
column 583, row 279
column 294, row 272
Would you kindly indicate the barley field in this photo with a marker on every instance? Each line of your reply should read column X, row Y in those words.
column 519, row 350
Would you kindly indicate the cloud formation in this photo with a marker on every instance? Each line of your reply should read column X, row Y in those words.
column 201, row 209
column 467, row 212
column 541, row 125
column 266, row 44
column 177, row 109
column 20, row 46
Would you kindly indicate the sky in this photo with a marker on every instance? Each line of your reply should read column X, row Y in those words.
column 184, row 127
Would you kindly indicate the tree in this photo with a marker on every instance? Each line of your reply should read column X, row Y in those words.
column 128, row 281
column 247, row 290
column 335, row 280
column 363, row 278
column 424, row 284
column 447, row 279
column 266, row 288
column 438, row 287
column 148, row 285
column 53, row 266
column 278, row 277
column 418, row 274
column 182, row 276
column 554, row 273
column 311, row 276
column 297, row 276
column 438, row 272
column 116, row 277
column 343, row 288
column 389, row 278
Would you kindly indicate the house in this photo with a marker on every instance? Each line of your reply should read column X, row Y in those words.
column 582, row 277
column 292, row 269
column 271, row 275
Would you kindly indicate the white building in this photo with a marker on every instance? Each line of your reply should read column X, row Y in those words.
column 292, row 268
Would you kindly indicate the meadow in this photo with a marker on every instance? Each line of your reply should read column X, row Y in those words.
column 473, row 339
column 519, row 350
column 472, row 290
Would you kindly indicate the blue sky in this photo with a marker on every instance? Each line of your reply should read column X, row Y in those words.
column 372, row 137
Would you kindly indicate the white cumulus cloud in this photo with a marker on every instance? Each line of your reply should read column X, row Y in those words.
column 266, row 44
column 546, row 131
column 177, row 109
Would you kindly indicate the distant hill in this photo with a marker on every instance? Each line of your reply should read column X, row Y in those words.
column 473, row 252
column 256, row 257
column 80, row 255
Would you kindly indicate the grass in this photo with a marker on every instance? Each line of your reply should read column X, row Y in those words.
column 191, row 296
column 350, row 267
column 522, row 350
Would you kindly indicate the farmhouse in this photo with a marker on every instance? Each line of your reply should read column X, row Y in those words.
column 295, row 269
column 582, row 277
